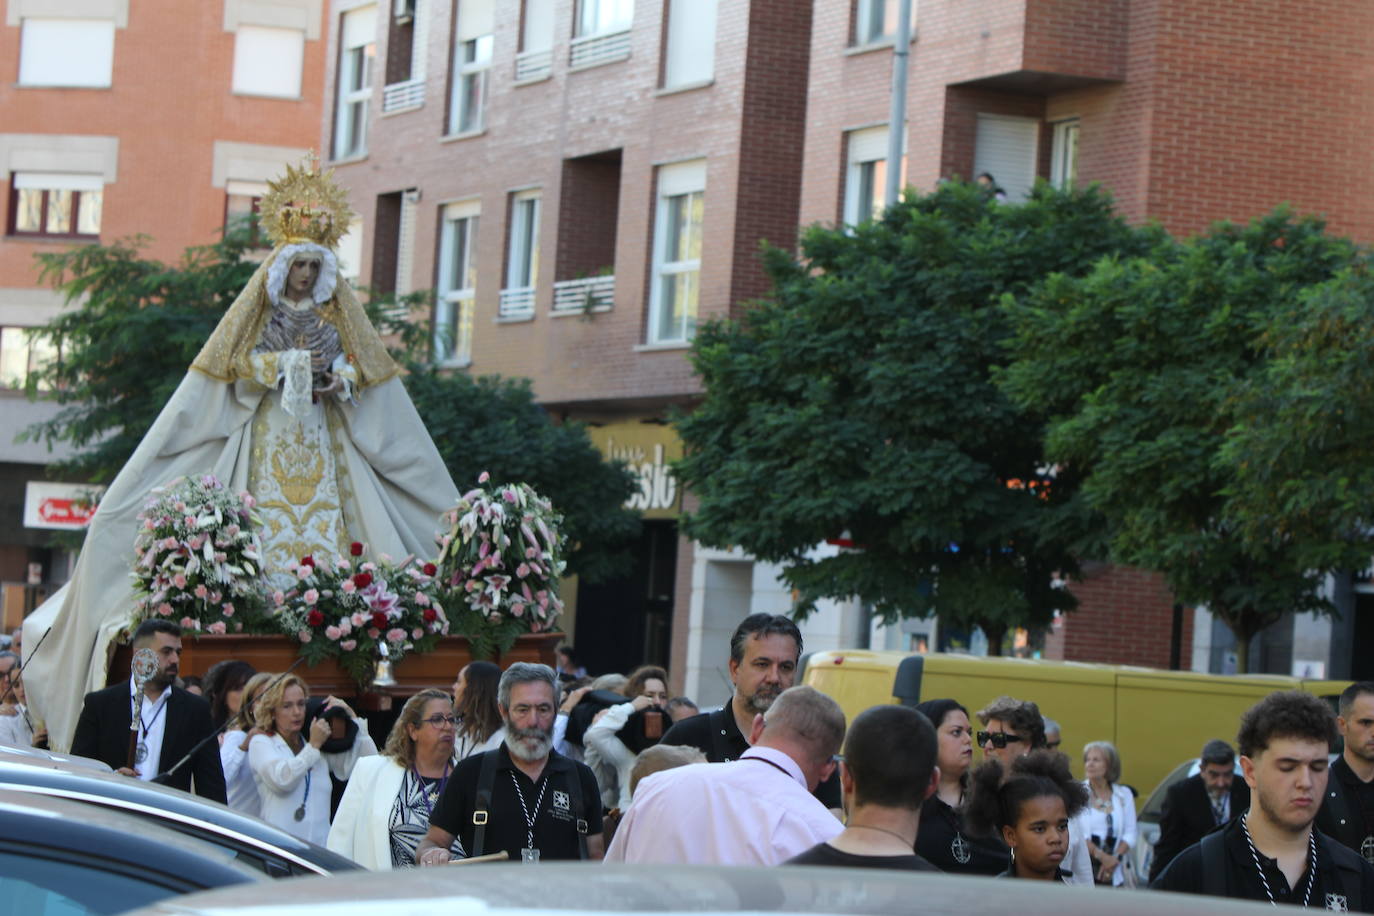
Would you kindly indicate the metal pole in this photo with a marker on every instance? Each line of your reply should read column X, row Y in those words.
column 896, row 120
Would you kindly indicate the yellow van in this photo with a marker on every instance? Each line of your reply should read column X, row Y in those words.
column 1155, row 718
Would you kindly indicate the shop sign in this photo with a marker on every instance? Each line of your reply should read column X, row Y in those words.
column 60, row 506
column 648, row 450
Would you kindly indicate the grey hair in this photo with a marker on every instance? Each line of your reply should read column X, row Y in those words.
column 610, row 682
column 524, row 673
column 1219, row 753
column 1050, row 724
column 14, row 655
column 1113, row 758
column 810, row 717
column 324, row 284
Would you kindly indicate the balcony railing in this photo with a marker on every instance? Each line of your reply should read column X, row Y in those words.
column 517, row 302
column 533, row 65
column 589, row 294
column 401, row 96
column 592, row 50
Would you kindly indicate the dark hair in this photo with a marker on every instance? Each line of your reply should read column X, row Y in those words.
column 994, row 803
column 762, row 625
column 192, row 681
column 568, row 651
column 1286, row 714
column 890, row 754
column 223, row 678
column 1349, row 694
column 634, row 686
column 936, row 710
column 152, row 625
column 1023, row 716
column 478, row 714
column 1218, row 752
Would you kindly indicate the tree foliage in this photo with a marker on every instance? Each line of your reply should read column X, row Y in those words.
column 135, row 325
column 1145, row 367
column 859, row 399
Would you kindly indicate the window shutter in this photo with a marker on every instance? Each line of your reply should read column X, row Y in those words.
column 1006, row 149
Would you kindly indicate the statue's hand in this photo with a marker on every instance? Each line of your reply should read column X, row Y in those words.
column 333, row 385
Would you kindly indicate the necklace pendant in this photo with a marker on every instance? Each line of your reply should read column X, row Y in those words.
column 140, row 752
column 528, row 855
column 959, row 849
column 300, row 812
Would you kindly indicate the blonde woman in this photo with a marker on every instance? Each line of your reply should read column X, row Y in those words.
column 291, row 772
column 1108, row 821
column 385, row 810
column 242, row 789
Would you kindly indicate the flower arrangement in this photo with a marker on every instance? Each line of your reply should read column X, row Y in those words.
column 197, row 559
column 500, row 561
column 350, row 608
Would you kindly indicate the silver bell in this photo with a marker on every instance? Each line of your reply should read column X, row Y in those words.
column 382, row 677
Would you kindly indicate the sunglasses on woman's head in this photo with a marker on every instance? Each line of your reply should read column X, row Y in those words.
column 999, row 739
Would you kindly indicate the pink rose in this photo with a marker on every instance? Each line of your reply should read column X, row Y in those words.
column 373, row 632
column 218, row 628
column 348, row 587
column 164, row 609
column 358, row 619
column 179, row 580
column 421, row 599
column 148, row 524
column 348, row 645
column 188, row 624
column 332, row 633
column 345, row 627
column 278, row 598
column 227, row 609
column 483, row 477
column 189, row 521
column 522, row 570
column 304, row 572
column 201, row 591
column 247, row 499
column 303, row 636
column 170, row 543
column 395, row 634
column 197, row 542
column 311, row 596
column 417, row 633
column 517, row 610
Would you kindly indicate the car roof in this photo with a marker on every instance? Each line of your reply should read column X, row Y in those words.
column 41, row 757
column 37, row 822
column 153, row 801
column 577, row 887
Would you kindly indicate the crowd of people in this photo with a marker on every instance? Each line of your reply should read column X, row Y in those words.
column 533, row 763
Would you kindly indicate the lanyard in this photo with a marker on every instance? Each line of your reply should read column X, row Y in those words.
column 424, row 795
column 538, row 803
column 147, row 726
column 771, row 764
column 1311, row 862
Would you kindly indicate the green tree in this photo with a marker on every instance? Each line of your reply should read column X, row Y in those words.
column 135, row 325
column 859, row 399
column 1141, row 368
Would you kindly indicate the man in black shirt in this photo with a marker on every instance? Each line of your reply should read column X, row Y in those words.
column 524, row 797
column 1347, row 812
column 1273, row 852
column 1200, row 804
column 764, row 652
column 888, row 770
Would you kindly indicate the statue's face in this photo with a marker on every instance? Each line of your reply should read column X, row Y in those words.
column 300, row 279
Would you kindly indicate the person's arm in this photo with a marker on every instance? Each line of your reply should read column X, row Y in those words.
column 601, row 736
column 277, row 773
column 596, row 847
column 233, row 754
column 1129, row 834
column 434, row 848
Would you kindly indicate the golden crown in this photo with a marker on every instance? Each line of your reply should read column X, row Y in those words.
column 306, row 205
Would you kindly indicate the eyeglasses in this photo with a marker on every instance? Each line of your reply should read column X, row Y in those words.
column 999, row 739
column 1053, row 745
column 441, row 721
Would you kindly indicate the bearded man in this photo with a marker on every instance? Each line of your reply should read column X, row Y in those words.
column 523, row 798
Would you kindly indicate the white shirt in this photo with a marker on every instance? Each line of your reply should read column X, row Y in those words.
column 613, row 760
column 281, row 779
column 14, row 730
column 155, row 721
column 755, row 810
column 239, row 784
column 1093, row 822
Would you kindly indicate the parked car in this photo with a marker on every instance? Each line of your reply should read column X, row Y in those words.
column 253, row 842
column 41, row 757
column 66, row 857
column 555, row 888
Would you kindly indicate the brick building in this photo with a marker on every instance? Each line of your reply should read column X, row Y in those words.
column 117, row 118
column 646, row 146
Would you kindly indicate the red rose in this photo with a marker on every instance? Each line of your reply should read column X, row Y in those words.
column 308, row 561
column 314, row 618
column 379, row 620
column 362, row 580
column 356, row 549
column 430, row 569
column 430, row 615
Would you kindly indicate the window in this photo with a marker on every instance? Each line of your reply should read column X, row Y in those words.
column 472, row 46
column 1006, row 148
column 66, row 52
column 535, row 60
column 457, row 284
column 242, row 204
column 1064, row 154
column 673, row 297
column 865, row 187
column 23, row 353
column 690, row 52
column 602, row 17
column 876, row 21
column 55, row 204
column 357, row 57
column 522, row 255
column 268, row 61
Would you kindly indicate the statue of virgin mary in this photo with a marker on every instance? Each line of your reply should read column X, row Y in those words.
column 293, row 399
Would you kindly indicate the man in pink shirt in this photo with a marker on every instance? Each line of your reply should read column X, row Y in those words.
column 757, row 810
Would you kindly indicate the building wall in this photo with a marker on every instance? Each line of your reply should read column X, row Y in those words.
column 1125, row 617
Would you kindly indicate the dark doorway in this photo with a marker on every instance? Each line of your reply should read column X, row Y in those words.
column 627, row 622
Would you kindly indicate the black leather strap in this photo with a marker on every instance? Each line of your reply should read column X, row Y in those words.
column 481, row 812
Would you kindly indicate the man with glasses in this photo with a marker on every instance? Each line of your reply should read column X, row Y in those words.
column 524, row 798
column 1052, row 738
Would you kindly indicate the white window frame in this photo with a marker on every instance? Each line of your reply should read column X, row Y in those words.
column 522, row 253
column 455, row 305
column 1064, row 153
column 865, row 13
column 594, row 17
column 865, row 148
column 677, row 182
column 91, row 67
column 465, row 74
column 690, row 43
column 351, row 39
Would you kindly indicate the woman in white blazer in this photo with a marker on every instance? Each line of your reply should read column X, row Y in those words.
column 291, row 771
column 1108, row 822
column 385, row 810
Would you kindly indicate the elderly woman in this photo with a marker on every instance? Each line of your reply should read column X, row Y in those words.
column 239, row 783
column 291, row 771
column 385, row 810
column 1108, row 821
